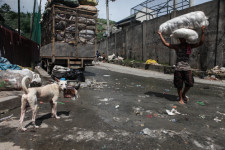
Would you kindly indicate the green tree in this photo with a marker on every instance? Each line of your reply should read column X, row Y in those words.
column 5, row 8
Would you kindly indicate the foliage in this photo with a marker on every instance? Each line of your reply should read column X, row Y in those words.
column 11, row 19
column 102, row 27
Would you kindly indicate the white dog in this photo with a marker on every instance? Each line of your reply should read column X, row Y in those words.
column 49, row 92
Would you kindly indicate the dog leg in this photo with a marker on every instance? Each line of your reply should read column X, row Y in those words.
column 34, row 107
column 34, row 116
column 23, row 110
column 54, row 110
column 51, row 103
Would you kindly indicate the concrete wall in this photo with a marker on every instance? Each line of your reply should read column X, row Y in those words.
column 142, row 42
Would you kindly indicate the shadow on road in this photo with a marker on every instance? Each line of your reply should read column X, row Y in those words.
column 87, row 73
column 163, row 95
column 48, row 116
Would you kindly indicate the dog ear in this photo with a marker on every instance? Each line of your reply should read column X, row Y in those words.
column 57, row 80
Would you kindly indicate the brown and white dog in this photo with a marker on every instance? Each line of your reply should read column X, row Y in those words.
column 49, row 92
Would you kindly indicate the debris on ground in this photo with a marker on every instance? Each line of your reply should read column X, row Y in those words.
column 116, row 119
column 217, row 70
column 151, row 61
column 5, row 64
column 113, row 57
column 60, row 103
column 93, row 84
column 6, row 118
column 11, row 79
column 138, row 110
column 117, row 106
column 217, row 119
column 202, row 116
column 200, row 103
column 68, row 73
column 211, row 77
column 220, row 113
column 172, row 112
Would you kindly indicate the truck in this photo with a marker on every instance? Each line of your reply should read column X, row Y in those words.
column 68, row 36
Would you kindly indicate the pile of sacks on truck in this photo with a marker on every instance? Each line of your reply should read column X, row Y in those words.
column 67, row 19
column 11, row 76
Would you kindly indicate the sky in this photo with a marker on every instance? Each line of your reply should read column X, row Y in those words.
column 118, row 10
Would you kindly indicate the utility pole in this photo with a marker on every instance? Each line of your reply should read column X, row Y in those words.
column 174, row 4
column 107, row 16
column 191, row 3
column 19, row 17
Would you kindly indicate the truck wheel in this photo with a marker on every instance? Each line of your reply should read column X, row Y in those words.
column 83, row 69
column 44, row 64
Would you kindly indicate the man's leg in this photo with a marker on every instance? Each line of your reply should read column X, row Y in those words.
column 178, row 83
column 179, row 91
column 186, row 89
column 189, row 82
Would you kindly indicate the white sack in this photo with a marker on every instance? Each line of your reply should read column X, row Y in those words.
column 191, row 36
column 193, row 20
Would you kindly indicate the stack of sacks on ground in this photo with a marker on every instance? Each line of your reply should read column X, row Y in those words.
column 184, row 26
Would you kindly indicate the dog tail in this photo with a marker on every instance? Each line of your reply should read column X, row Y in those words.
column 24, row 86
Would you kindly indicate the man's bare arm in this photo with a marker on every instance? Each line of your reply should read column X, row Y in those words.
column 166, row 43
column 201, row 40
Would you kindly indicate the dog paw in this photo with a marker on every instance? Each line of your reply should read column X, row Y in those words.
column 57, row 117
column 24, row 129
column 36, row 126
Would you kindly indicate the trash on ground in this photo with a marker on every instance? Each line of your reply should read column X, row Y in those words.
column 172, row 112
column 174, row 107
column 138, row 110
column 202, row 116
column 217, row 119
column 217, row 70
column 11, row 79
column 5, row 64
column 65, row 72
column 149, row 116
column 6, row 118
column 41, row 102
column 212, row 77
column 106, row 75
column 167, row 90
column 60, row 103
column 117, row 106
column 116, row 119
column 173, row 120
column 220, row 113
column 93, row 84
column 200, row 103
column 151, row 133
column 151, row 61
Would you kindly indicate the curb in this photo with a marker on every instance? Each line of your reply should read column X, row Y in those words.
column 166, row 69
column 9, row 103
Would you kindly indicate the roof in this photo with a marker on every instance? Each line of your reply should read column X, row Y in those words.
column 126, row 20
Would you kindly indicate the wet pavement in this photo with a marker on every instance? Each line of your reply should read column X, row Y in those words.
column 121, row 111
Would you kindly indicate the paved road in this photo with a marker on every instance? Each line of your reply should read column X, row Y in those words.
column 139, row 122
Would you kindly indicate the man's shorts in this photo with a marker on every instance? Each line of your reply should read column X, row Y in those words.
column 183, row 76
